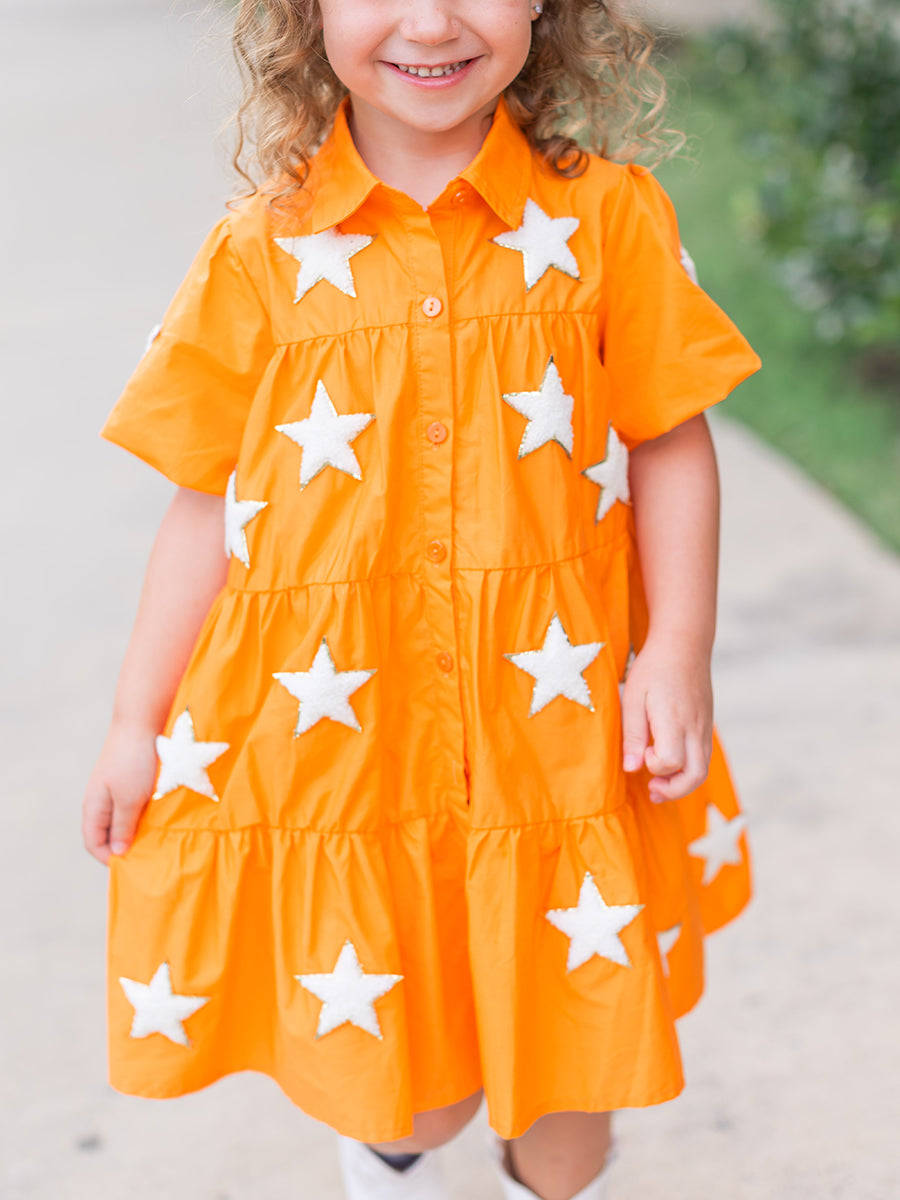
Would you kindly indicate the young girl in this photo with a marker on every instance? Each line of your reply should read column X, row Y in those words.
column 378, row 821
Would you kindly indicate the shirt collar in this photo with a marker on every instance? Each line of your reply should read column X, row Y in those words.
column 500, row 172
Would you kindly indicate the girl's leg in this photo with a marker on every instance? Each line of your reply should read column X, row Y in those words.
column 561, row 1154
column 434, row 1128
column 402, row 1170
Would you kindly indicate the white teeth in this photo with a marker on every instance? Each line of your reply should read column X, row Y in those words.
column 431, row 72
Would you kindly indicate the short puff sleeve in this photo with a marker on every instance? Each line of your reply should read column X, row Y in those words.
column 184, row 408
column 668, row 349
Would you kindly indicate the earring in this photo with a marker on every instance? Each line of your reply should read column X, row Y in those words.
column 538, row 9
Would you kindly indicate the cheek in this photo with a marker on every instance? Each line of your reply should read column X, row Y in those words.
column 511, row 30
column 515, row 40
column 349, row 43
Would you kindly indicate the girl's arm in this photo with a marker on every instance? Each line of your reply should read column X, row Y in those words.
column 667, row 698
column 186, row 571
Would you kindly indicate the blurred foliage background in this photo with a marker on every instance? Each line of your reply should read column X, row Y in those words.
column 789, row 200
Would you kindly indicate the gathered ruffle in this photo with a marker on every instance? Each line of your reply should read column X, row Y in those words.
column 461, row 915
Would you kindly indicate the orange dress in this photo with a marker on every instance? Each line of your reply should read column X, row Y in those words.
column 392, row 856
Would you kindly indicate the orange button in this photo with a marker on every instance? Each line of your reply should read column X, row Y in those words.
column 436, row 432
column 460, row 196
column 437, row 551
column 445, row 661
column 432, row 306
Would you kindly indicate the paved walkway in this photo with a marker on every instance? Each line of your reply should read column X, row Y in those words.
column 793, row 1057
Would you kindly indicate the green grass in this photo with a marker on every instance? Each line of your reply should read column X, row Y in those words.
column 807, row 400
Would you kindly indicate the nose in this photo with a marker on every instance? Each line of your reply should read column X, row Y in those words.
column 429, row 22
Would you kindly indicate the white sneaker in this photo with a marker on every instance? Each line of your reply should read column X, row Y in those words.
column 597, row 1189
column 368, row 1177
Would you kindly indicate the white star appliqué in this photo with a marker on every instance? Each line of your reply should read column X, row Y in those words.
column 719, row 845
column 549, row 413
column 325, row 437
column 348, row 994
column 541, row 240
column 323, row 691
column 611, row 475
column 593, row 926
column 157, row 1009
column 557, row 668
column 689, row 265
column 183, row 760
column 152, row 336
column 238, row 515
column 666, row 939
column 324, row 255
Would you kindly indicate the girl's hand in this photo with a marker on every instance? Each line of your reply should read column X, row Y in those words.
column 118, row 789
column 667, row 710
column 186, row 571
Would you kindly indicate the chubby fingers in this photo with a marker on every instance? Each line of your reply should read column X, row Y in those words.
column 109, row 822
column 676, row 757
column 635, row 726
column 96, row 817
column 667, row 756
column 678, row 766
column 125, row 817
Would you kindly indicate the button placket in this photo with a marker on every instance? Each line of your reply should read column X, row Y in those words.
column 436, row 412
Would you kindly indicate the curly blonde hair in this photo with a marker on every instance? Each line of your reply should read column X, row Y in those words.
column 588, row 84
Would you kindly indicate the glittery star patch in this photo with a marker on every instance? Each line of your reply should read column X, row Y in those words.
column 549, row 412
column 157, row 1009
column 720, row 845
column 666, row 940
column 611, row 475
column 183, row 760
column 238, row 515
column 593, row 926
column 557, row 668
column 323, row 691
column 348, row 994
column 543, row 243
column 325, row 256
column 325, row 437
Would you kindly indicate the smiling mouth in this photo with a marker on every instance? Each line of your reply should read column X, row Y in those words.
column 433, row 72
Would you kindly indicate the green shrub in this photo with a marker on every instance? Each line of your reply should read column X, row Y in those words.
column 818, row 89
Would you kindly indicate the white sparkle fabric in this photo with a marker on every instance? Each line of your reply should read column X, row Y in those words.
column 689, row 265
column 611, row 475
column 326, row 256
column 238, row 515
column 323, row 691
column 666, row 939
column 549, row 412
column 183, row 760
column 348, row 993
column 543, row 243
column 557, row 668
column 593, row 926
column 720, row 844
column 152, row 336
column 325, row 437
column 157, row 1009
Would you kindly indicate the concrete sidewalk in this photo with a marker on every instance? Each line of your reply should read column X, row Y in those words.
column 793, row 1057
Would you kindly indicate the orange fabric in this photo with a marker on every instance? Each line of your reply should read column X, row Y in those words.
column 438, row 835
